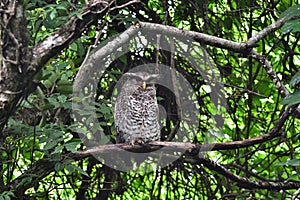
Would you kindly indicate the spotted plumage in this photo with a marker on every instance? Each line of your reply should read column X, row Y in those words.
column 136, row 110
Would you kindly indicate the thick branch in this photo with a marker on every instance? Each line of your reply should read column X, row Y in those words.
column 71, row 31
column 43, row 167
column 14, row 58
column 271, row 72
column 194, row 148
column 19, row 82
column 242, row 47
column 66, row 35
column 263, row 33
column 201, row 37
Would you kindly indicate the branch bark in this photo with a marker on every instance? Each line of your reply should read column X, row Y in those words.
column 17, row 74
column 43, row 167
column 14, row 58
column 21, row 65
column 246, row 48
column 194, row 148
column 243, row 181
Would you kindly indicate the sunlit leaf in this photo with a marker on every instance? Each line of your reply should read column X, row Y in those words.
column 71, row 146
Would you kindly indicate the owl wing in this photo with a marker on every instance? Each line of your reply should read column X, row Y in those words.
column 121, row 110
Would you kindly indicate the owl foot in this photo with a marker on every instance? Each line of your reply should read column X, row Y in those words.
column 138, row 141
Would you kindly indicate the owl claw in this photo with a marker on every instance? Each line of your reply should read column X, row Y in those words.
column 138, row 141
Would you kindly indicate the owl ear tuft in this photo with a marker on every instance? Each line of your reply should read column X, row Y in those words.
column 141, row 75
column 154, row 76
column 129, row 74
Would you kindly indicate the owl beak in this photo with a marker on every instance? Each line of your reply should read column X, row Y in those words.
column 144, row 85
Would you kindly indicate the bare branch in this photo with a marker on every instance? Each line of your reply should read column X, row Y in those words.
column 261, row 34
column 43, row 167
column 125, row 5
column 66, row 35
column 296, row 194
column 194, row 148
column 272, row 75
column 231, row 45
column 271, row 72
column 201, row 37
column 243, row 181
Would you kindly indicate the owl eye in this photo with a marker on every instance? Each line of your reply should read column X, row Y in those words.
column 138, row 79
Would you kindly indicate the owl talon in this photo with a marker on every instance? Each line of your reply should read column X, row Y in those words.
column 138, row 141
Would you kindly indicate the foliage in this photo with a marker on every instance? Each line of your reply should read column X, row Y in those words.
column 43, row 128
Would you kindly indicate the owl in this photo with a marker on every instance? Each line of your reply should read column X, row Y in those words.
column 136, row 111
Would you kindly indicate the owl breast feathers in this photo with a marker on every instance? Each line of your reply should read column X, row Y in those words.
column 136, row 110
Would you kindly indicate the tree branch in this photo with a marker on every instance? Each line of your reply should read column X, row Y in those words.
column 43, row 167
column 66, row 35
column 29, row 65
column 245, row 182
column 241, row 47
column 13, row 58
column 190, row 147
column 273, row 76
column 263, row 33
column 200, row 37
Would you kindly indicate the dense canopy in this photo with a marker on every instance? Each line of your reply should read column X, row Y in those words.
column 228, row 98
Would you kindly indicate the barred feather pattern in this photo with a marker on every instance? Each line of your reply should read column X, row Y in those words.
column 136, row 114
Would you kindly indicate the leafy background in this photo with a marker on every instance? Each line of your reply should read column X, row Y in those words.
column 42, row 129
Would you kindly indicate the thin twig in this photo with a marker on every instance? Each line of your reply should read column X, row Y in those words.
column 125, row 5
column 246, row 90
column 296, row 194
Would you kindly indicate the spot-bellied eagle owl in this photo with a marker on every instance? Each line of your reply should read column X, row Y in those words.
column 136, row 111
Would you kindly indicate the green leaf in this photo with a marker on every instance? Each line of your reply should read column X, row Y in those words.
column 295, row 80
column 6, row 195
column 80, row 170
column 73, row 46
column 48, row 84
column 293, row 162
column 55, row 135
column 77, row 14
column 291, row 26
column 72, row 146
column 50, row 145
column 123, row 59
column 58, row 167
column 58, row 149
column 53, row 14
column 53, row 101
column 292, row 99
column 104, row 109
column 65, row 89
column 70, row 168
column 291, row 12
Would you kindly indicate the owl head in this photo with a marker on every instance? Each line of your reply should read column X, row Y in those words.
column 142, row 78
